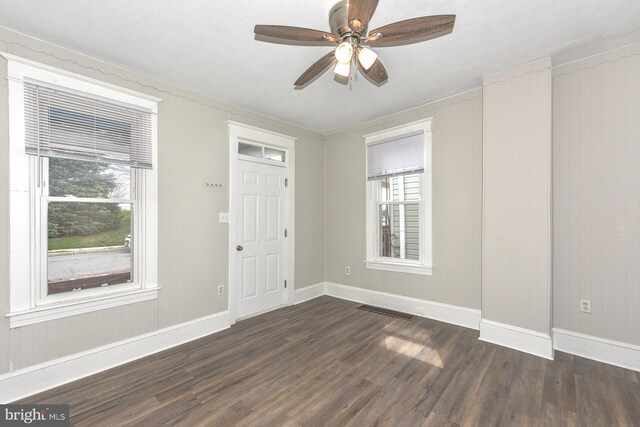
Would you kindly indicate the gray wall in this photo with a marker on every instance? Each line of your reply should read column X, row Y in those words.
column 597, row 195
column 516, row 240
column 457, row 204
column 193, row 255
column 309, row 214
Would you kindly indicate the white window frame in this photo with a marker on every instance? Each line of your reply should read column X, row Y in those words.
column 27, row 262
column 423, row 266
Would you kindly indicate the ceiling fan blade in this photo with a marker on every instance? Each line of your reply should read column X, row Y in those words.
column 412, row 30
column 361, row 11
column 377, row 73
column 295, row 34
column 316, row 69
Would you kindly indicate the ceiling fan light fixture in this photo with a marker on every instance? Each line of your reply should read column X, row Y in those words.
column 343, row 69
column 349, row 29
column 344, row 52
column 366, row 57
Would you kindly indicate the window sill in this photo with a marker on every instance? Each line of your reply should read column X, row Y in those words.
column 398, row 267
column 73, row 308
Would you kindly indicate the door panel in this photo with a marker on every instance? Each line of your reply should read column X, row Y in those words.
column 250, row 219
column 250, row 276
column 249, row 177
column 273, row 218
column 272, row 262
column 261, row 222
column 273, row 181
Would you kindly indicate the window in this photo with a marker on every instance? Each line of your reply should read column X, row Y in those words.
column 261, row 152
column 399, row 199
column 83, row 191
column 90, row 212
column 399, row 216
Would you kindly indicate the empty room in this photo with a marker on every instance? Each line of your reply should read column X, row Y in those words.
column 329, row 213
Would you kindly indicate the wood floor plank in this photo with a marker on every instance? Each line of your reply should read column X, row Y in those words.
column 598, row 405
column 525, row 403
column 560, row 383
column 306, row 387
column 325, row 363
column 630, row 394
column 452, row 353
column 491, row 397
column 557, row 416
column 459, row 396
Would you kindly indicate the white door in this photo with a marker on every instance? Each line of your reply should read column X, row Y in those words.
column 261, row 203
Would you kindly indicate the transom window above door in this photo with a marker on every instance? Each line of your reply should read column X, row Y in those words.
column 261, row 151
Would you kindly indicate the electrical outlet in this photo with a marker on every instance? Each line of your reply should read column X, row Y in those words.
column 585, row 306
column 347, row 271
column 220, row 289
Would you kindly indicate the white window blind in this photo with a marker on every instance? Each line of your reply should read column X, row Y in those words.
column 73, row 125
column 403, row 155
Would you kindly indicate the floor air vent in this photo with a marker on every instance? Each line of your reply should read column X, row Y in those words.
column 386, row 312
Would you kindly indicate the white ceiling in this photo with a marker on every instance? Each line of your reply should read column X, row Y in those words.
column 208, row 46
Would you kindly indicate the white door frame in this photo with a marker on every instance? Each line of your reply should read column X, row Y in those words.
column 242, row 132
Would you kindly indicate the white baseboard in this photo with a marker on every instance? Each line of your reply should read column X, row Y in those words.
column 603, row 350
column 526, row 340
column 461, row 316
column 310, row 292
column 35, row 379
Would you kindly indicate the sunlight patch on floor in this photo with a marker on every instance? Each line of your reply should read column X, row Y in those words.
column 410, row 332
column 413, row 350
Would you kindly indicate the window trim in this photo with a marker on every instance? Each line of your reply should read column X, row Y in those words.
column 25, row 231
column 373, row 260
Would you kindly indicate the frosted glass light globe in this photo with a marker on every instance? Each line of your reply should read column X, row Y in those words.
column 367, row 57
column 344, row 52
column 343, row 69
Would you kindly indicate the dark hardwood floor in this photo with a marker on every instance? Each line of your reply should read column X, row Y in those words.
column 325, row 363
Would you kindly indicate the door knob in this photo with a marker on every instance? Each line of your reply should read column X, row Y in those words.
column 239, row 248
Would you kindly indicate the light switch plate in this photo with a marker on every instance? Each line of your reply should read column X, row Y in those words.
column 223, row 217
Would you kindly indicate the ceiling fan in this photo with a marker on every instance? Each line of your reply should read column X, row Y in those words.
column 348, row 21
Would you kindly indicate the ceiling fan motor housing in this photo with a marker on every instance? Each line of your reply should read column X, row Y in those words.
column 339, row 23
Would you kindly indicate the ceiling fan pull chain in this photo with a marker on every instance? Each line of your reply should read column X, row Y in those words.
column 354, row 74
column 351, row 74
